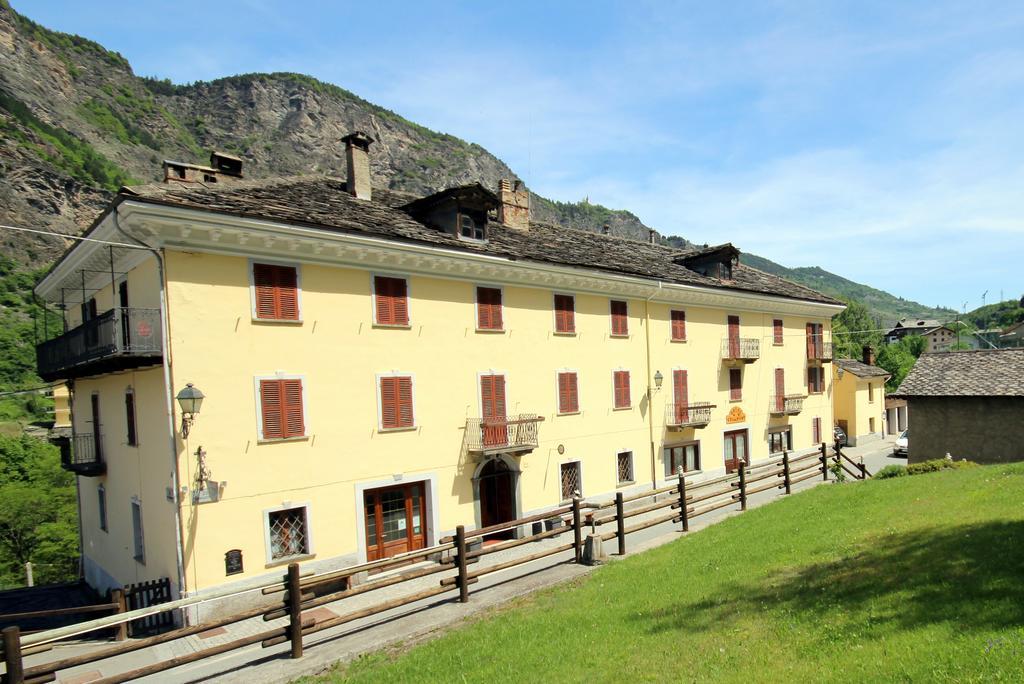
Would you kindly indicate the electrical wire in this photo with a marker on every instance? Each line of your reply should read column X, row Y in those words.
column 70, row 237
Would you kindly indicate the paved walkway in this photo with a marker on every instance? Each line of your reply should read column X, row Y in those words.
column 408, row 624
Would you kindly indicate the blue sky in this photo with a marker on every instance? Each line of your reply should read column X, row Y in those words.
column 882, row 141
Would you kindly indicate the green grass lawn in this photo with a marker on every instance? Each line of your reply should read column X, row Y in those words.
column 910, row 579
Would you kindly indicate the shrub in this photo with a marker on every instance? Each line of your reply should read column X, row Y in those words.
column 889, row 471
column 936, row 465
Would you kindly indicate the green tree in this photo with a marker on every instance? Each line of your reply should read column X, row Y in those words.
column 853, row 329
column 898, row 358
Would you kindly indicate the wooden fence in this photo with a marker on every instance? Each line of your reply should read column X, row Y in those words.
column 679, row 502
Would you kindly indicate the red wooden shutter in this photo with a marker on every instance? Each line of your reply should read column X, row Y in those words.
column 816, row 430
column 621, row 381
column 568, row 397
column 488, row 308
column 287, row 293
column 277, row 292
column 682, row 391
column 263, row 281
column 814, row 333
column 777, row 331
column 492, row 404
column 678, row 325
column 620, row 318
column 396, row 403
column 734, row 337
column 292, row 408
column 405, row 417
column 392, row 301
column 814, row 379
column 735, row 384
column 565, row 316
column 270, row 409
column 780, row 389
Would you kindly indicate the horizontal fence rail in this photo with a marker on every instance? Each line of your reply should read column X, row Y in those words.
column 457, row 559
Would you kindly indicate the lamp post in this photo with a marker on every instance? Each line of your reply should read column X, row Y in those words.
column 190, row 399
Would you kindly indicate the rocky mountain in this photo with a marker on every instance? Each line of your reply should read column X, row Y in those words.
column 76, row 123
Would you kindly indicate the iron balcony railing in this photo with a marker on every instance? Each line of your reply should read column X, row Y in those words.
column 497, row 435
column 694, row 414
column 82, row 454
column 786, row 405
column 746, row 349
column 123, row 333
column 819, row 350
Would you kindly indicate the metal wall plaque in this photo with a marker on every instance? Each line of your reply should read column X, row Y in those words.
column 233, row 562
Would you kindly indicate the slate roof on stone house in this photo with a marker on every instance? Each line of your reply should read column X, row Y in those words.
column 322, row 202
column 861, row 369
column 980, row 373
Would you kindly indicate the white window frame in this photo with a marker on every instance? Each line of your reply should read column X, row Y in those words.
column 558, row 403
column 476, row 309
column 778, row 430
column 554, row 315
column 380, row 403
column 620, row 369
column 279, row 375
column 682, row 445
column 579, row 466
column 373, row 299
column 632, row 468
column 287, row 506
column 138, row 535
column 611, row 333
column 252, row 290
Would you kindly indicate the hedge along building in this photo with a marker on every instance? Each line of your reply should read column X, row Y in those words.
column 380, row 368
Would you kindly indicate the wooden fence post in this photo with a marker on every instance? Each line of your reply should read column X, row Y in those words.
column 743, row 486
column 785, row 472
column 12, row 656
column 577, row 527
column 682, row 501
column 620, row 524
column 117, row 596
column 295, row 609
column 824, row 462
column 460, row 550
column 863, row 470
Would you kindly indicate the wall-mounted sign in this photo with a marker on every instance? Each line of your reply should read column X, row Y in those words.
column 736, row 415
column 233, row 562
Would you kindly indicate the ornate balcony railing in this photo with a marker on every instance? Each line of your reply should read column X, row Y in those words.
column 786, row 405
column 819, row 350
column 82, row 454
column 695, row 414
column 516, row 433
column 745, row 349
column 117, row 339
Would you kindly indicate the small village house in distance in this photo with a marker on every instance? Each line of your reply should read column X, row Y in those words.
column 378, row 368
column 938, row 337
column 858, row 398
column 968, row 404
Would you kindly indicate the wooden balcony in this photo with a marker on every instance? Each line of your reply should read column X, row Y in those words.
column 509, row 435
column 741, row 349
column 819, row 350
column 82, row 454
column 119, row 339
column 692, row 415
column 786, row 405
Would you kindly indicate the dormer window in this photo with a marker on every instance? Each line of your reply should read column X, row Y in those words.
column 460, row 212
column 469, row 229
column 713, row 262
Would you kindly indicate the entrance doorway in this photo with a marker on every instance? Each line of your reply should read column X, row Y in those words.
column 736, row 450
column 395, row 520
column 497, row 497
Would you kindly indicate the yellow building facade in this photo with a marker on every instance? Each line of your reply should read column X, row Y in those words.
column 345, row 472
column 859, row 399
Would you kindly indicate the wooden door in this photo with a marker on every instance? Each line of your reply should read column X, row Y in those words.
column 681, row 389
column 734, row 337
column 492, row 406
column 780, row 389
column 97, row 441
column 122, row 293
column 395, row 520
column 497, row 497
column 736, row 450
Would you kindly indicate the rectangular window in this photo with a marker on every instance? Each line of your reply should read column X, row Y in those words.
column 678, row 325
column 620, row 318
column 288, row 533
column 281, row 409
column 814, row 340
column 129, row 414
column 565, row 314
column 777, row 337
column 871, row 392
column 871, row 424
column 816, row 430
column 621, row 382
column 101, row 506
column 137, row 536
column 571, row 481
column 624, row 467
column 391, row 298
column 568, row 393
column 488, row 308
column 735, row 384
column 686, row 456
column 814, row 378
column 780, row 439
column 396, row 410
column 276, row 292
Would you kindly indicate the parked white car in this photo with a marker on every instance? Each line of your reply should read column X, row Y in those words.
column 900, row 447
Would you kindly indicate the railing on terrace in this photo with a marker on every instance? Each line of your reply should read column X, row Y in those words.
column 496, row 435
column 819, row 350
column 693, row 414
column 786, row 405
column 745, row 349
column 121, row 337
column 82, row 454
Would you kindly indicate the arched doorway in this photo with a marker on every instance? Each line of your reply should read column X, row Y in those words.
column 497, row 487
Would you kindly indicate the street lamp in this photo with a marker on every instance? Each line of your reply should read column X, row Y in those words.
column 190, row 400
column 658, row 378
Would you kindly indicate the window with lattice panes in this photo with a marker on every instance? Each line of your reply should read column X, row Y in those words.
column 289, row 535
column 624, row 466
column 571, row 481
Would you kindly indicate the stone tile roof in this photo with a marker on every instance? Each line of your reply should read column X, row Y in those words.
column 322, row 202
column 980, row 373
column 861, row 369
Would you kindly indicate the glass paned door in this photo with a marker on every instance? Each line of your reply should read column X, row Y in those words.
column 394, row 520
column 735, row 449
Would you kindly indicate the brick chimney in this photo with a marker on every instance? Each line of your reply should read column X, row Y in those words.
column 357, row 153
column 514, row 211
column 652, row 235
column 868, row 355
column 606, row 229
